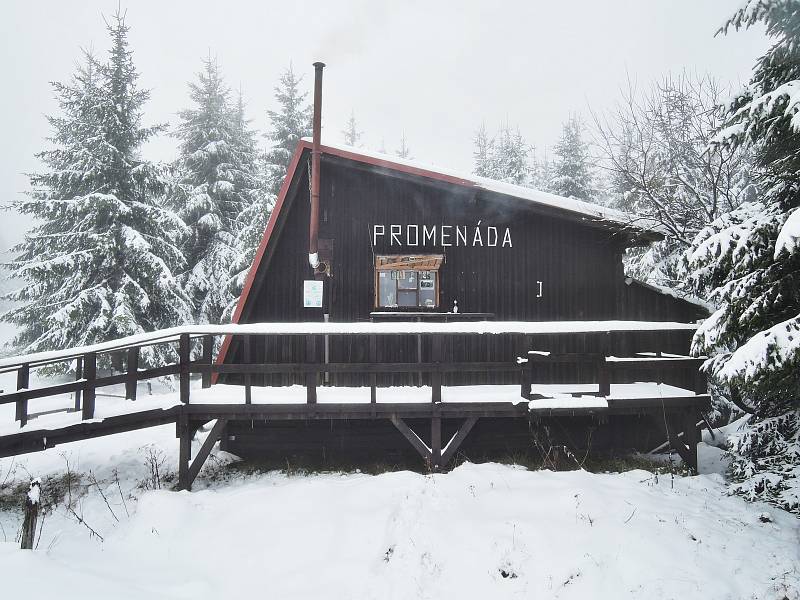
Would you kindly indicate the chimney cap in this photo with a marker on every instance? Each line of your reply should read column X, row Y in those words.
column 319, row 64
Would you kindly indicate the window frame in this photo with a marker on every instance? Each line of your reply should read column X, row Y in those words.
column 407, row 262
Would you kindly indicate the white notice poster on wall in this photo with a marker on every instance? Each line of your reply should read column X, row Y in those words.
column 312, row 294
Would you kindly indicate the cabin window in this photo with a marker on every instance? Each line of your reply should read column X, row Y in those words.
column 407, row 281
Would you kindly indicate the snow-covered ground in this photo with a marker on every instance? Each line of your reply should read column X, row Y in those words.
column 480, row 531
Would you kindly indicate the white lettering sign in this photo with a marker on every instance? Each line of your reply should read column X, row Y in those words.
column 442, row 235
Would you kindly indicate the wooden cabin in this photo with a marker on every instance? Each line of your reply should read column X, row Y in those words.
column 399, row 241
column 396, row 311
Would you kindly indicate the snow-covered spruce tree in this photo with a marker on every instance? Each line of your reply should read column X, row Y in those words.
column 750, row 258
column 481, row 153
column 252, row 220
column 216, row 183
column 505, row 157
column 661, row 169
column 351, row 134
column 289, row 123
column 573, row 173
column 403, row 151
column 541, row 173
column 99, row 263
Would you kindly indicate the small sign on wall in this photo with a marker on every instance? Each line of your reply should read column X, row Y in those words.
column 312, row 293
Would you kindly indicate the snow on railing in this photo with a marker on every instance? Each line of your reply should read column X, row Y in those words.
column 360, row 328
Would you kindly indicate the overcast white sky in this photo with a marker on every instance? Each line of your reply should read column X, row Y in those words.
column 435, row 70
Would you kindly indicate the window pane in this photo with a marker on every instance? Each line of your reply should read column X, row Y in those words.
column 387, row 289
column 427, row 289
column 407, row 280
column 407, row 298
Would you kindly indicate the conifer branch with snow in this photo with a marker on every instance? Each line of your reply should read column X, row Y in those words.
column 100, row 263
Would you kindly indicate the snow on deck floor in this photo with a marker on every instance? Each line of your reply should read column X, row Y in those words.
column 111, row 403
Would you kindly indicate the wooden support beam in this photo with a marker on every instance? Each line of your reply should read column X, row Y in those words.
column 457, row 440
column 412, row 437
column 184, row 358
column 436, row 442
column 213, row 436
column 691, row 434
column 133, row 373
column 23, row 382
column 89, row 391
column 184, row 435
column 208, row 358
column 686, row 447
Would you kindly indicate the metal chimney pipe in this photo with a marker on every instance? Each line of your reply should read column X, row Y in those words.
column 313, row 246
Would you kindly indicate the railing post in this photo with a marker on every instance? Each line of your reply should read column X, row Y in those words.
column 373, row 378
column 525, row 378
column 89, row 391
column 184, row 451
column 248, row 377
column 78, row 377
column 603, row 376
column 208, row 356
column 132, row 382
column 184, row 356
column 419, row 353
column 436, row 376
column 23, row 382
column 32, row 504
column 311, row 376
column 700, row 382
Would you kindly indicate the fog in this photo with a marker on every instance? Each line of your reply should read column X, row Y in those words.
column 434, row 71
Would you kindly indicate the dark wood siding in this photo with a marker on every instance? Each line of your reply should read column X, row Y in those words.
column 642, row 302
column 578, row 264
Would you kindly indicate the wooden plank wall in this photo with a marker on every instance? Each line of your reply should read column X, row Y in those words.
column 579, row 266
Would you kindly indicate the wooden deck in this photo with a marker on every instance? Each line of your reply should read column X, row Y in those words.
column 675, row 411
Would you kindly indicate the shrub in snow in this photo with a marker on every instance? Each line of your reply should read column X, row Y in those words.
column 766, row 460
column 750, row 261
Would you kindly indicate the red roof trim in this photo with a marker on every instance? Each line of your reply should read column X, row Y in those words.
column 290, row 172
column 262, row 248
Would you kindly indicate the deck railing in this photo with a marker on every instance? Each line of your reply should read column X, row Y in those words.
column 194, row 351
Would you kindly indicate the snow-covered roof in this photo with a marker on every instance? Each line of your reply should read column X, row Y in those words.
column 594, row 212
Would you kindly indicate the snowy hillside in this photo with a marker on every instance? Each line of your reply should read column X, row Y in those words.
column 480, row 531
